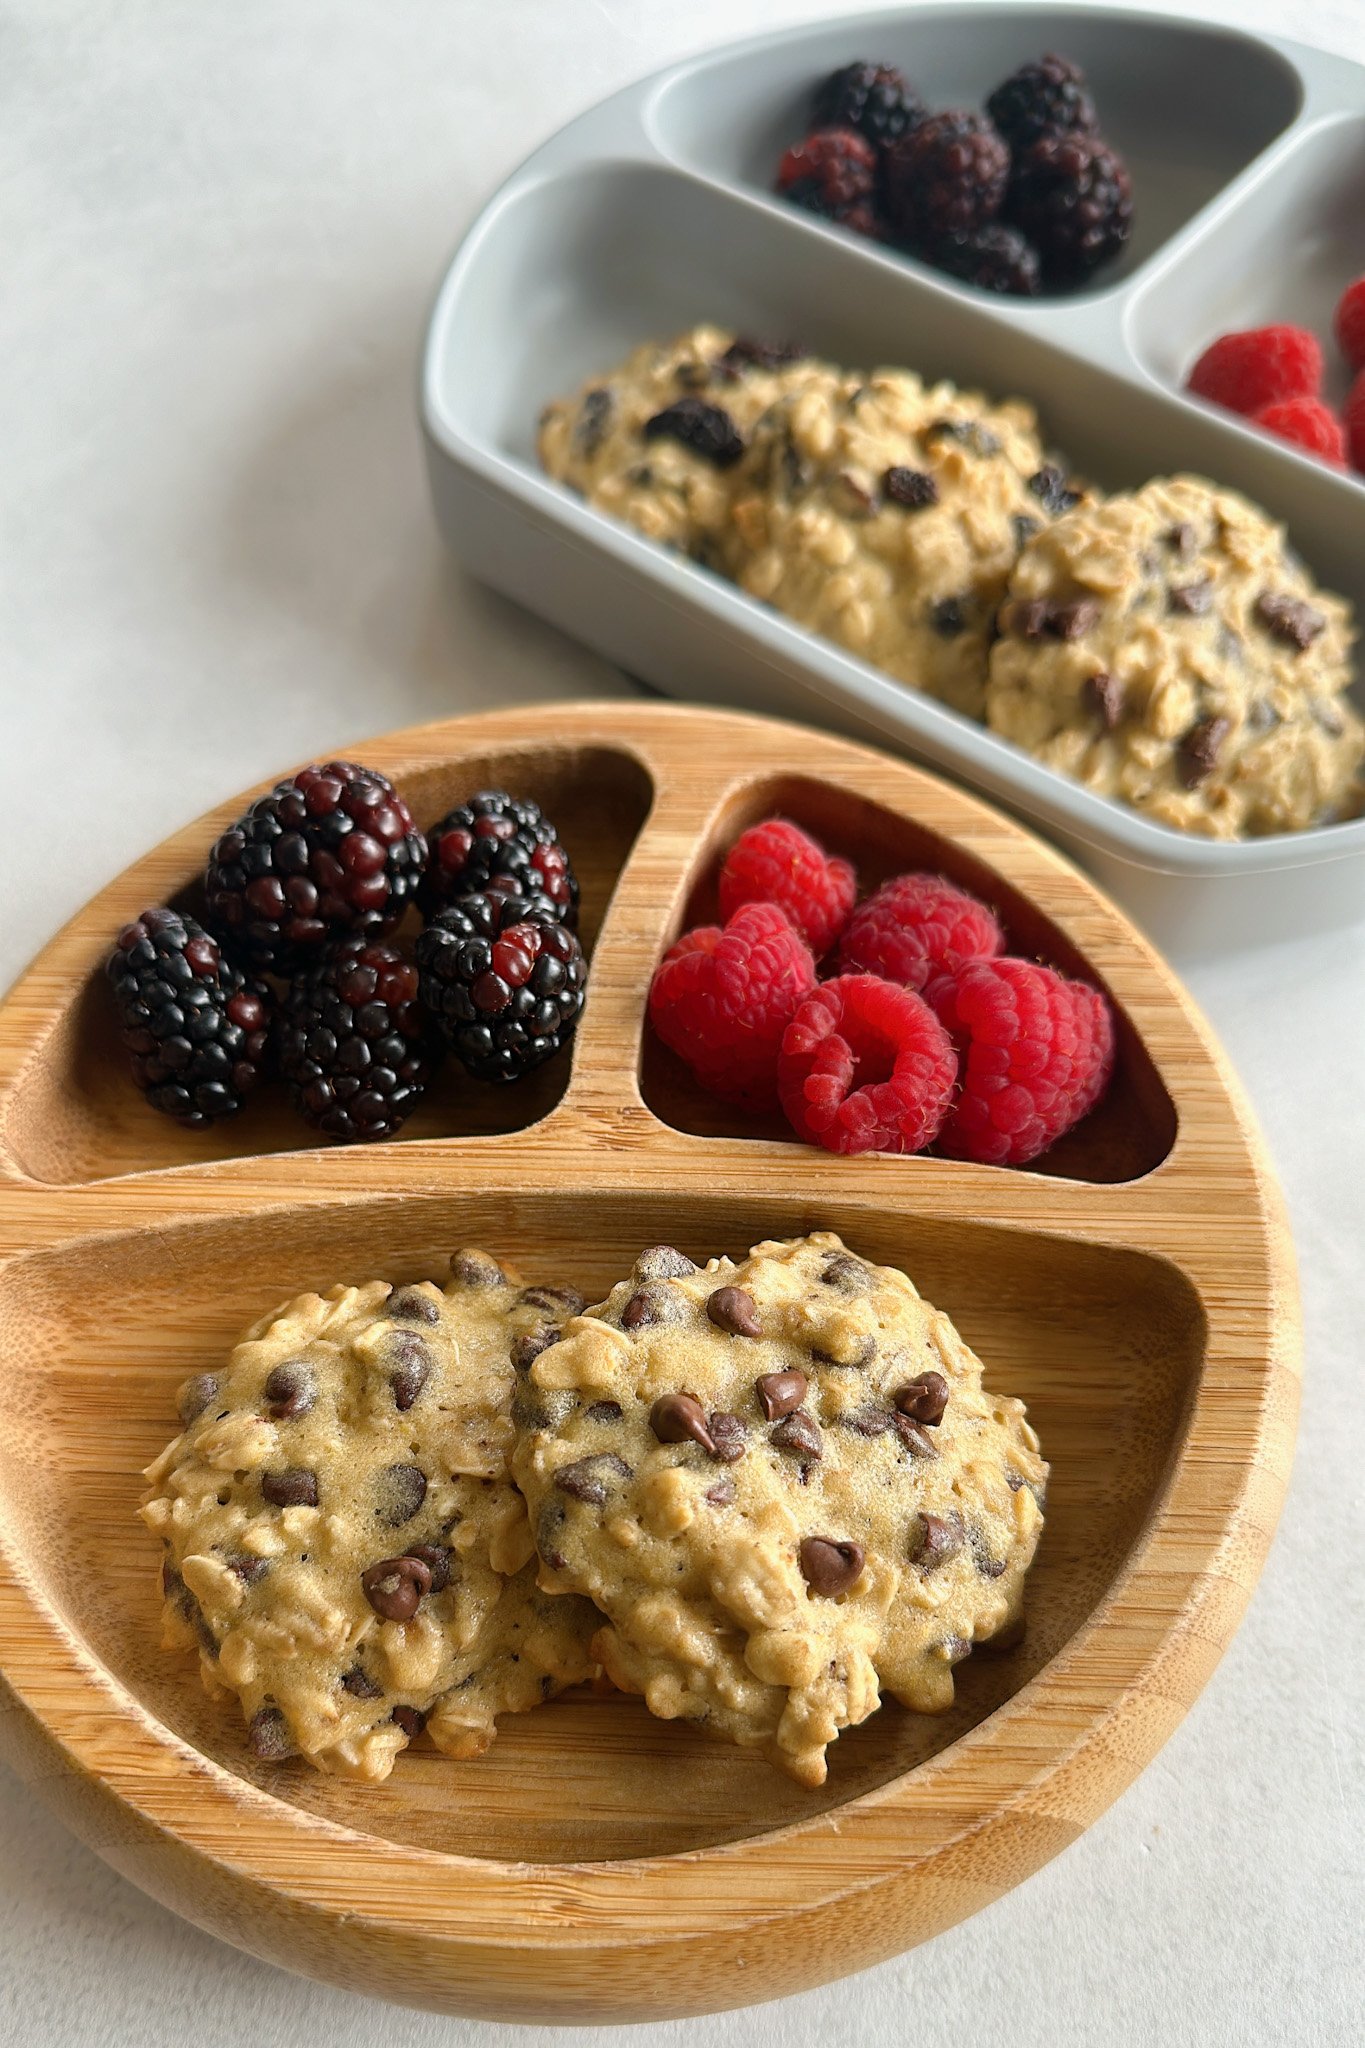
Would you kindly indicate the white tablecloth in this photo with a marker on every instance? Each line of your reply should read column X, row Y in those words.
column 220, row 229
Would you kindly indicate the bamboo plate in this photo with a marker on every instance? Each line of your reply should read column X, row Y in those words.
column 597, row 1864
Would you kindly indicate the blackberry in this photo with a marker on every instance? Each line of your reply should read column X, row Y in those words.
column 994, row 258
column 946, row 177
column 356, row 1047
column 499, row 842
column 504, row 980
column 196, row 1028
column 1073, row 197
column 830, row 173
column 1046, row 98
column 330, row 853
column 874, row 99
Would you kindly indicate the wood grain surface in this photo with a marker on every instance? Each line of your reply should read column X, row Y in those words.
column 1138, row 1291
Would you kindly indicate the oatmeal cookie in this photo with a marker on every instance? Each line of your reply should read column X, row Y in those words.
column 343, row 1543
column 1166, row 648
column 783, row 1484
column 888, row 514
column 656, row 442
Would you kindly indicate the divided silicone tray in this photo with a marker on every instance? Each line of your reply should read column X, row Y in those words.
column 655, row 210
column 598, row 1864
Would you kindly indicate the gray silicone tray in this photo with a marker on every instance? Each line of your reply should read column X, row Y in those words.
column 653, row 211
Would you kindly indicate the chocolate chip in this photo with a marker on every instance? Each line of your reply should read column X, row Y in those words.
column 912, row 488
column 848, row 1274
column 857, row 501
column 1071, row 621
column 1103, row 693
column 654, row 1304
column 949, row 617
column 476, row 1269
column 268, row 1734
column 730, row 1434
column 250, row 1570
column 295, row 1488
column 409, row 1306
column 721, row 1494
column 1199, row 750
column 779, row 1392
column 692, row 376
column 678, row 1418
column 1014, row 1480
column 923, row 1398
column 593, row 420
column 290, row 1390
column 526, row 1350
column 195, row 1395
column 1025, row 618
column 829, row 1566
column 400, row 1491
column 956, row 1649
column 553, row 1301
column 745, row 352
column 1026, row 528
column 604, row 1411
column 734, row 1310
column 1289, row 619
column 1050, row 486
column 410, row 1719
column 914, row 1437
column 1192, row 599
column 798, row 1433
column 360, row 1685
column 663, row 1262
column 937, row 1539
column 868, row 1421
column 1182, row 538
column 988, row 1566
column 706, row 429
column 1328, row 717
column 587, row 1479
column 411, row 1361
column 394, row 1587
column 967, row 433
column 438, row 1561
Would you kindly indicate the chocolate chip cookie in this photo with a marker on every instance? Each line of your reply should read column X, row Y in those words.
column 1165, row 647
column 784, row 1485
column 343, row 1543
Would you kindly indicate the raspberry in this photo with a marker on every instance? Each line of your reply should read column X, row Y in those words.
column 776, row 862
column 1349, row 324
column 355, row 1044
column 916, row 927
column 721, row 1000
column 831, row 172
column 1073, row 198
column 1046, row 98
column 866, row 1067
column 197, row 1030
column 947, row 176
column 1036, row 1054
column 1309, row 424
column 1355, row 422
column 994, row 259
column 1246, row 372
column 499, row 842
column 505, row 981
column 875, row 99
column 330, row 853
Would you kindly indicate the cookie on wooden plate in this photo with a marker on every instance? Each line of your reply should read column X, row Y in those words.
column 783, row 1483
column 343, row 1543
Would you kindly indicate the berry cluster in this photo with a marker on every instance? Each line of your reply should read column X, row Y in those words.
column 1273, row 377
column 297, row 969
column 1024, row 197
column 923, row 1031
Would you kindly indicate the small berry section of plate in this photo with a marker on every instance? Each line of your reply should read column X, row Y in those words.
column 1135, row 1288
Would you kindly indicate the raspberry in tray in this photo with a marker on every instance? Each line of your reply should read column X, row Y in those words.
column 866, row 1066
column 916, row 927
column 1261, row 366
column 1308, row 424
column 721, row 1000
column 776, row 862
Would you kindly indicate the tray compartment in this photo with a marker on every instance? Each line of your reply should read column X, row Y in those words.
column 1284, row 251
column 1189, row 105
column 1129, row 1135
column 75, row 1114
column 1104, row 1343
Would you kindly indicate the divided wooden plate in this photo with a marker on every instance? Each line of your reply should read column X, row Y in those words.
column 1138, row 1292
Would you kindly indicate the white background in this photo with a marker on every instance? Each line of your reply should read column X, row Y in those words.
column 219, row 229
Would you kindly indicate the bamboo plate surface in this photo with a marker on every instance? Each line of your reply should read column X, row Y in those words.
column 1139, row 1293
